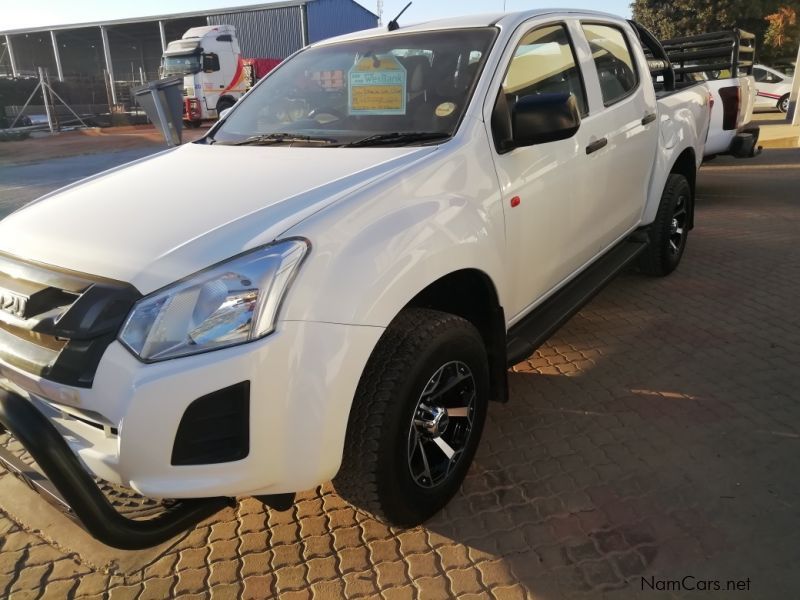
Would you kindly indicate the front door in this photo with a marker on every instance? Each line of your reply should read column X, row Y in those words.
column 545, row 187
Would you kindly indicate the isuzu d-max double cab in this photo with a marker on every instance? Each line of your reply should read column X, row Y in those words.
column 388, row 221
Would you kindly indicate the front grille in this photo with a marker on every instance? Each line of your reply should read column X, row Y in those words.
column 56, row 324
column 215, row 428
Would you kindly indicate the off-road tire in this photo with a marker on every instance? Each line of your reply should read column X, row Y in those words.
column 661, row 256
column 375, row 476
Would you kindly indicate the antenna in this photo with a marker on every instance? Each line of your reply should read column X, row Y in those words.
column 393, row 25
column 380, row 12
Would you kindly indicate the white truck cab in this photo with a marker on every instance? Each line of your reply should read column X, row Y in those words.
column 211, row 63
column 391, row 220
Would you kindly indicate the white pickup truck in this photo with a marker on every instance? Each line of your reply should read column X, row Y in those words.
column 341, row 295
column 724, row 61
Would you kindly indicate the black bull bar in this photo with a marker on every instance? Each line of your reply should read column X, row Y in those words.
column 70, row 487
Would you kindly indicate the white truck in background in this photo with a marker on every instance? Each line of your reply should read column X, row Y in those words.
column 215, row 74
column 724, row 61
column 385, row 246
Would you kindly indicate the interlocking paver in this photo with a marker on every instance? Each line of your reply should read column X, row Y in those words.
column 655, row 435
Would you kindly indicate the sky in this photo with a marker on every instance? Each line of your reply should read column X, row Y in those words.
column 41, row 13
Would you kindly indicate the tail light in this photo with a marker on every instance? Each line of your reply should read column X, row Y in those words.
column 731, row 100
column 191, row 109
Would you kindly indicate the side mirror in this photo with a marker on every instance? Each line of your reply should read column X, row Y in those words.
column 210, row 63
column 542, row 118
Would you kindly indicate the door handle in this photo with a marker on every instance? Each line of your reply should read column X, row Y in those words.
column 649, row 119
column 596, row 145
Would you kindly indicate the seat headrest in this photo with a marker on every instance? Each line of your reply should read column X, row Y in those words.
column 417, row 68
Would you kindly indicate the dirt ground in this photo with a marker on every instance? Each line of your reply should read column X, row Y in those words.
column 86, row 141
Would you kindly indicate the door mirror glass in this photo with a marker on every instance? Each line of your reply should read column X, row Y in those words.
column 542, row 118
column 210, row 63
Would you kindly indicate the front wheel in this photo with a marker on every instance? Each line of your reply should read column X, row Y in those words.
column 783, row 104
column 416, row 419
column 670, row 230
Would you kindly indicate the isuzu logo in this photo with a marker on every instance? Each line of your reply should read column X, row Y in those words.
column 14, row 304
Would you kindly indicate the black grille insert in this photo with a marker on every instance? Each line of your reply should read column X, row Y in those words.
column 215, row 428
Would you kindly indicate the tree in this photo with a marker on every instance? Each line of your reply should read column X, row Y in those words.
column 674, row 18
column 782, row 30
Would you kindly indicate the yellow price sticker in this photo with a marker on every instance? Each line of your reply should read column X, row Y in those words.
column 377, row 86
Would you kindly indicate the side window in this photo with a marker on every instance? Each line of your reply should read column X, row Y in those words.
column 544, row 63
column 759, row 74
column 614, row 62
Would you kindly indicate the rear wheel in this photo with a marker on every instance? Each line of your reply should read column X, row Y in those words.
column 416, row 419
column 783, row 104
column 669, row 231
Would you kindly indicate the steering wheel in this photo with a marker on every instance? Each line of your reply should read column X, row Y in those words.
column 326, row 115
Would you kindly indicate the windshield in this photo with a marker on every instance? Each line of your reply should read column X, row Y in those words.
column 388, row 90
column 181, row 64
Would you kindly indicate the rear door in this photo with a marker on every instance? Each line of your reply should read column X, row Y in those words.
column 770, row 87
column 763, row 95
column 621, row 177
column 630, row 114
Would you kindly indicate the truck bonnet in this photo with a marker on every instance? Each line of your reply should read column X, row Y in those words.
column 171, row 215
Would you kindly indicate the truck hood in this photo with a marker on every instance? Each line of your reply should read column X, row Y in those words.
column 164, row 217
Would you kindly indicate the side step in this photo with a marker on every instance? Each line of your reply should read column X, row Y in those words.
column 534, row 329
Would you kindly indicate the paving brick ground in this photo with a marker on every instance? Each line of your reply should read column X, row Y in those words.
column 655, row 436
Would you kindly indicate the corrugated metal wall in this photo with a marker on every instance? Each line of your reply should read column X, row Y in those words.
column 268, row 33
column 328, row 18
column 276, row 32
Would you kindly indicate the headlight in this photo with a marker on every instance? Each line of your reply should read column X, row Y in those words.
column 231, row 303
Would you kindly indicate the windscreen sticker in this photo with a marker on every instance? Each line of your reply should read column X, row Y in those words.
column 377, row 86
column 445, row 109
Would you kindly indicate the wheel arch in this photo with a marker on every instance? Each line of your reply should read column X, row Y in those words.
column 685, row 165
column 685, row 162
column 471, row 294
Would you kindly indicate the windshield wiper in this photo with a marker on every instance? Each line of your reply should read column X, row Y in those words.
column 399, row 137
column 280, row 138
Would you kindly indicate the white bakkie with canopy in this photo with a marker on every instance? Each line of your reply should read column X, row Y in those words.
column 390, row 219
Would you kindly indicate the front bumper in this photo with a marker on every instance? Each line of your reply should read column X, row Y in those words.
column 302, row 380
column 74, row 491
column 123, row 429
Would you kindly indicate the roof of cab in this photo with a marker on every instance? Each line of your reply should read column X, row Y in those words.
column 502, row 20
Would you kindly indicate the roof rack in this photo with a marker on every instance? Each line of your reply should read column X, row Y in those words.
column 732, row 50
